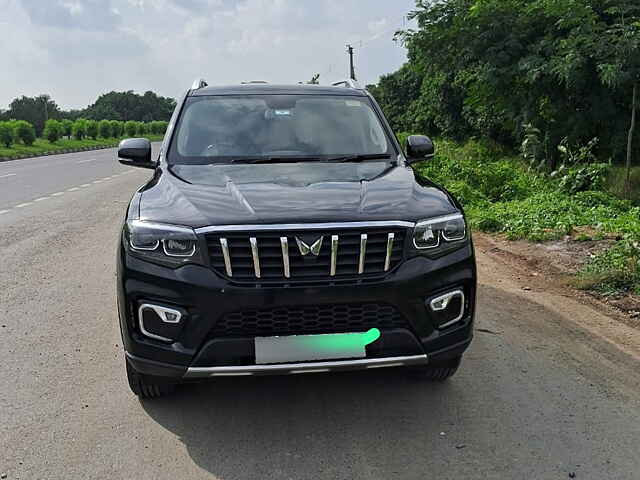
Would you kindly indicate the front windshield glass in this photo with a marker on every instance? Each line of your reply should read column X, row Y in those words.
column 232, row 128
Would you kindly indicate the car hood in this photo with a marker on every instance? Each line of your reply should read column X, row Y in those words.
column 203, row 195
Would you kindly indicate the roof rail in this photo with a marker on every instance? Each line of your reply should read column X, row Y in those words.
column 198, row 83
column 347, row 82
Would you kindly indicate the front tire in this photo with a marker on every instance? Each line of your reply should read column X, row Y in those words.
column 146, row 387
column 437, row 372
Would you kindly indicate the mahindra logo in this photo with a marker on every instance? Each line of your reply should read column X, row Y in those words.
column 306, row 249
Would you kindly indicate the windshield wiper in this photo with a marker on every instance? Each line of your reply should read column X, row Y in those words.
column 360, row 158
column 275, row 160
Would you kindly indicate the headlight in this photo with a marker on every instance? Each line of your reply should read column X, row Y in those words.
column 167, row 245
column 438, row 235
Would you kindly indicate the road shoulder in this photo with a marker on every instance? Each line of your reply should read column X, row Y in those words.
column 505, row 270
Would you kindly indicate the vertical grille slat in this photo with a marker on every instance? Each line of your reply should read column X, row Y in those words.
column 335, row 239
column 227, row 259
column 288, row 256
column 363, row 253
column 256, row 256
column 284, row 243
column 387, row 260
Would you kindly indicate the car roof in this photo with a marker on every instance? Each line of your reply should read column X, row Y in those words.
column 271, row 89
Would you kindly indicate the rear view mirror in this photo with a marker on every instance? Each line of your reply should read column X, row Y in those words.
column 419, row 148
column 135, row 152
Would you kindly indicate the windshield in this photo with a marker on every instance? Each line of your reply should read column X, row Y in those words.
column 232, row 128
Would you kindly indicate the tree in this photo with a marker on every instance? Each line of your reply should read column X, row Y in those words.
column 104, row 128
column 6, row 134
column 131, row 106
column 79, row 129
column 634, row 108
column 315, row 80
column 35, row 110
column 131, row 128
column 52, row 130
column 141, row 129
column 117, row 128
column 67, row 127
column 92, row 129
column 24, row 131
column 486, row 68
column 158, row 127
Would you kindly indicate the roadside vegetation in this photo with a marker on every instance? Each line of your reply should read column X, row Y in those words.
column 536, row 101
column 501, row 194
column 37, row 125
column 18, row 137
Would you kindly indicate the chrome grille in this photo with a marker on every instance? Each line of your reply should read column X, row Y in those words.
column 277, row 255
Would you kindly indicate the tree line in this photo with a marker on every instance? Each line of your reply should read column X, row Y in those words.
column 122, row 106
column 556, row 73
column 21, row 131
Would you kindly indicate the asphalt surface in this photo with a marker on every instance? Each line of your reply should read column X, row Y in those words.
column 538, row 396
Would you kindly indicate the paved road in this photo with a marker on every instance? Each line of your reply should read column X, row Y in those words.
column 25, row 180
column 538, row 396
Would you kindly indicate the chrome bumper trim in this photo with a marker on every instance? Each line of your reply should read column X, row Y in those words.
column 306, row 367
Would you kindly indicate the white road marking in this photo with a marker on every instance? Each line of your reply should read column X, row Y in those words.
column 2, row 212
column 84, row 185
column 97, row 181
column 106, row 178
column 86, row 161
column 8, row 175
column 22, row 205
column 57, row 194
column 41, row 199
column 73, row 189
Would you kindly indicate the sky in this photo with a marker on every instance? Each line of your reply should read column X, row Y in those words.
column 75, row 50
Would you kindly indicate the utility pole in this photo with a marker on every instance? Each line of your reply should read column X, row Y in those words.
column 352, row 71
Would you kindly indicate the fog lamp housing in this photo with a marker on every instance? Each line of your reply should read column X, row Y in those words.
column 160, row 323
column 447, row 309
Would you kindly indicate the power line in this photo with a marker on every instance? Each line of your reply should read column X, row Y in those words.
column 362, row 44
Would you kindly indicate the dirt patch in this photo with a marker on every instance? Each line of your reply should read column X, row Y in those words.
column 551, row 266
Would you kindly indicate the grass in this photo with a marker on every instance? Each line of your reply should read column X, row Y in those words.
column 501, row 195
column 41, row 146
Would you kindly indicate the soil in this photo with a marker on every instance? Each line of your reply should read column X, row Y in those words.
column 551, row 266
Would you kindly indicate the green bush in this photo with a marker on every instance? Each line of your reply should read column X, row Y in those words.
column 131, row 128
column 79, row 129
column 158, row 127
column 117, row 128
column 67, row 127
column 614, row 270
column 92, row 129
column 52, row 130
column 481, row 170
column 24, row 131
column 500, row 195
column 142, row 129
column 6, row 134
column 104, row 128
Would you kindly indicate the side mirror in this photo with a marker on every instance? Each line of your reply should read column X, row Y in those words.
column 135, row 152
column 419, row 148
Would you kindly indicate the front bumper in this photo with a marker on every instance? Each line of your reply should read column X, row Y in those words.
column 206, row 298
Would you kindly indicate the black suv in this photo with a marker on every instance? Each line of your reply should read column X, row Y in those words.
column 282, row 232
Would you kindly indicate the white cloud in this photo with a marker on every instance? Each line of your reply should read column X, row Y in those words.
column 77, row 49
